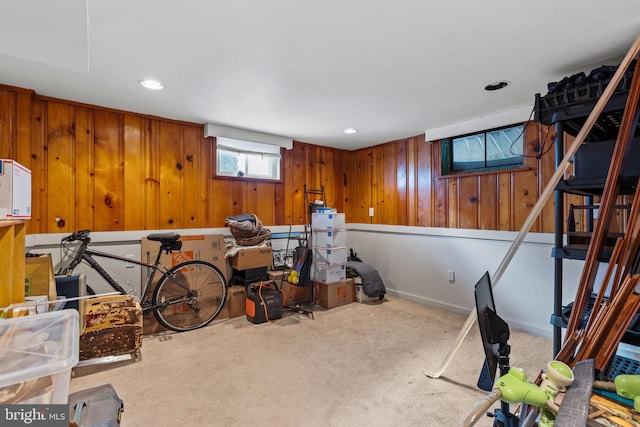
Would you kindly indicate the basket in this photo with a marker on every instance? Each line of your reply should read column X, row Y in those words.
column 240, row 233
column 262, row 235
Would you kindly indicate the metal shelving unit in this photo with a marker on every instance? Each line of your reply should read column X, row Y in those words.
column 567, row 110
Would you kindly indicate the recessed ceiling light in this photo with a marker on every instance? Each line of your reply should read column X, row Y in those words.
column 152, row 84
column 350, row 131
column 496, row 86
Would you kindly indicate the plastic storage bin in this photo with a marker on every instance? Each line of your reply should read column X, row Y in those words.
column 37, row 354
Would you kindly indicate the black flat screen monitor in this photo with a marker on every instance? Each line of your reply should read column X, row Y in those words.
column 493, row 330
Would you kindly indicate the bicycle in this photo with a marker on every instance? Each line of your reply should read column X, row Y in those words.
column 187, row 296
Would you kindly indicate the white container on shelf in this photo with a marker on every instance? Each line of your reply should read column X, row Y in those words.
column 37, row 354
column 329, row 273
column 337, row 255
column 327, row 221
column 329, row 238
column 15, row 190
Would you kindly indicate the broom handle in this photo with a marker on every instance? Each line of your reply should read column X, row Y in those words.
column 542, row 200
column 480, row 410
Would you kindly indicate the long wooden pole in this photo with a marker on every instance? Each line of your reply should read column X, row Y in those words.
column 613, row 262
column 542, row 200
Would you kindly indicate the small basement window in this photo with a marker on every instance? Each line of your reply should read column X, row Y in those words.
column 494, row 149
column 247, row 159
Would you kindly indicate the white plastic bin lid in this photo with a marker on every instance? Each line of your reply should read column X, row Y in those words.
column 38, row 345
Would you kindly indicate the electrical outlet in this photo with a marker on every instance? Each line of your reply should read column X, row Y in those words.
column 451, row 275
column 129, row 264
column 370, row 211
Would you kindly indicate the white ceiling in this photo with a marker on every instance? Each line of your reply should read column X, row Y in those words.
column 309, row 70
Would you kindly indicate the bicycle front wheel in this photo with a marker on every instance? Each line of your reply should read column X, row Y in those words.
column 189, row 296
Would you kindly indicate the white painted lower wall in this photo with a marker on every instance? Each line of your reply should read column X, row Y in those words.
column 122, row 243
column 412, row 261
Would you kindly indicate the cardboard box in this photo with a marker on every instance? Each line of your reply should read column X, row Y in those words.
column 235, row 301
column 293, row 294
column 329, row 273
column 330, row 295
column 329, row 238
column 330, row 255
column 252, row 258
column 38, row 277
column 209, row 248
column 15, row 190
column 327, row 221
column 276, row 275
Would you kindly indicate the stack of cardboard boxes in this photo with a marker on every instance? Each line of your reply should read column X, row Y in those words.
column 329, row 243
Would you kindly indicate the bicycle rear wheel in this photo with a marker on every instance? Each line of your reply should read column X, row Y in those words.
column 189, row 296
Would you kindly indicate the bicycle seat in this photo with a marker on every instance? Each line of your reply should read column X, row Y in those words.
column 164, row 237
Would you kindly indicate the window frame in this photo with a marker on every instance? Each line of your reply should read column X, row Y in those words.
column 247, row 149
column 447, row 154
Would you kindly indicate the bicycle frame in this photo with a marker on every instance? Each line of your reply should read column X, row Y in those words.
column 86, row 254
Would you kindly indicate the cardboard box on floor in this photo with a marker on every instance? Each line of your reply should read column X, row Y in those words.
column 235, row 302
column 252, row 258
column 39, row 278
column 293, row 294
column 209, row 248
column 330, row 295
column 276, row 275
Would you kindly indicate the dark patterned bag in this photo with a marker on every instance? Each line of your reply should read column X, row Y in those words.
column 302, row 259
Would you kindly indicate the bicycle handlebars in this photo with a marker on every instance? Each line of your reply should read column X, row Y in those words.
column 82, row 235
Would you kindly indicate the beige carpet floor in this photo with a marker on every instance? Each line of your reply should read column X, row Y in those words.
column 355, row 365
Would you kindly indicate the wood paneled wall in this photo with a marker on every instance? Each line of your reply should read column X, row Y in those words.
column 401, row 180
column 106, row 169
